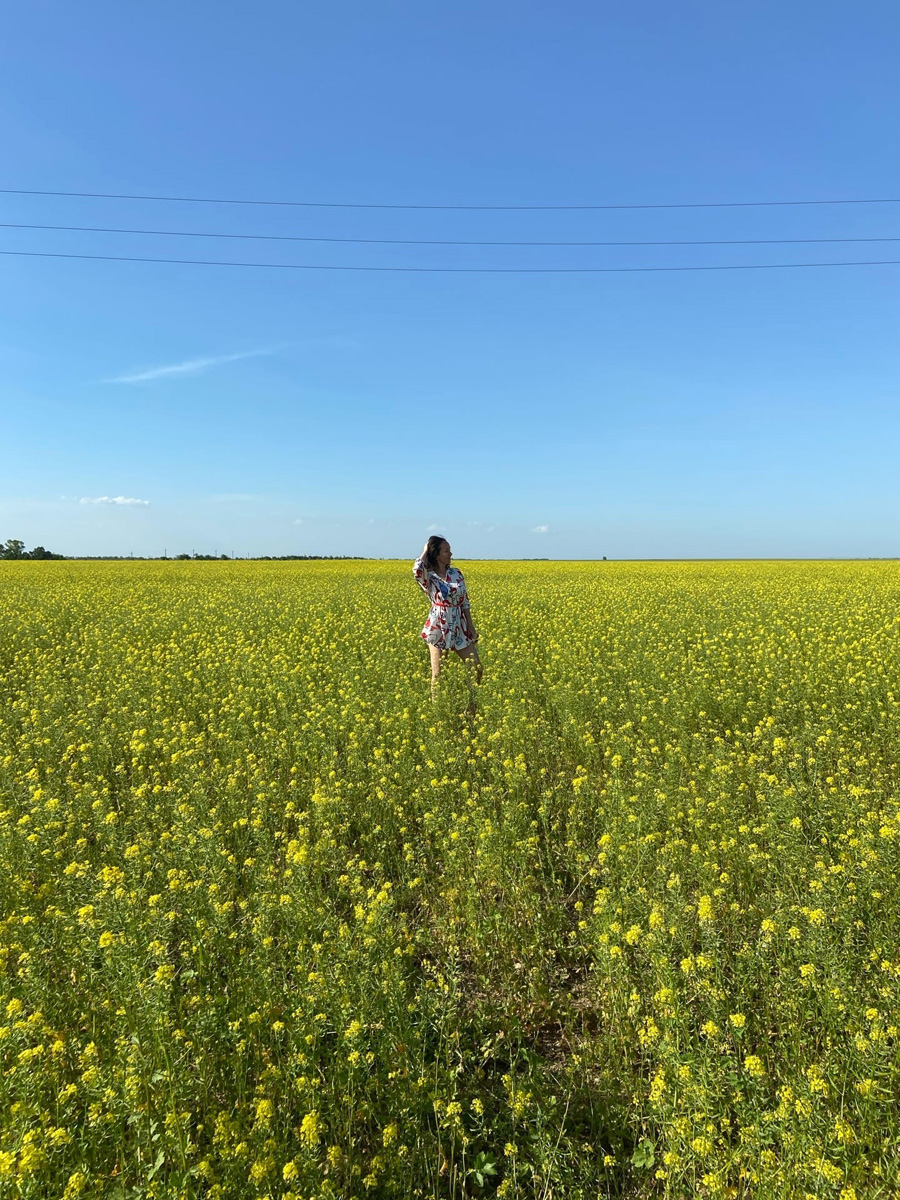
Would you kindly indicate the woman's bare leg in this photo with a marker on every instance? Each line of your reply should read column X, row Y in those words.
column 435, row 668
column 470, row 652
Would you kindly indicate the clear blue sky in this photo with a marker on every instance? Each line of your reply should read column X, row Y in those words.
column 744, row 413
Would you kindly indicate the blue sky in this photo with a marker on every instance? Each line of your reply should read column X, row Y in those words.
column 707, row 414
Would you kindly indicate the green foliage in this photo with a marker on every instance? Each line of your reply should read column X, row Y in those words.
column 644, row 1156
column 13, row 548
column 621, row 922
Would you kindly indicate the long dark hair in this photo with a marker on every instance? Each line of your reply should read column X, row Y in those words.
column 432, row 547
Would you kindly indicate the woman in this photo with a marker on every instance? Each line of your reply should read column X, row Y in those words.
column 449, row 625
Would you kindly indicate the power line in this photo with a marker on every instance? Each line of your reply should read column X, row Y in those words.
column 199, row 262
column 442, row 207
column 275, row 237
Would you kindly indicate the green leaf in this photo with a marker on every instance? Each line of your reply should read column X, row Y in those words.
column 160, row 1159
column 645, row 1154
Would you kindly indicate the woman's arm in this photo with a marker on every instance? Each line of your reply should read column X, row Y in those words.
column 420, row 571
column 470, row 630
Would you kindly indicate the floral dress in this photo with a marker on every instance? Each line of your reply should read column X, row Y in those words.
column 445, row 626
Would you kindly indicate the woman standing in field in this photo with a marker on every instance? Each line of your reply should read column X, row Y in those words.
column 449, row 625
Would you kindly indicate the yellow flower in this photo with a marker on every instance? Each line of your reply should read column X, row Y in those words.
column 260, row 1169
column 310, row 1129
column 76, row 1185
column 390, row 1133
column 843, row 1131
column 658, row 1086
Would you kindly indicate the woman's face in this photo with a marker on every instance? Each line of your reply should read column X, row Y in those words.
column 444, row 556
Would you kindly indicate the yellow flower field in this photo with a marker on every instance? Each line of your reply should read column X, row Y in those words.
column 622, row 922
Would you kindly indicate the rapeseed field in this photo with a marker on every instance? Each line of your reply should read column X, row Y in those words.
column 621, row 922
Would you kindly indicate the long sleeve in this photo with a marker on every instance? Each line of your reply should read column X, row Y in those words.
column 421, row 573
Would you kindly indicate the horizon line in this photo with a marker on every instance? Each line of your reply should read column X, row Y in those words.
column 514, row 558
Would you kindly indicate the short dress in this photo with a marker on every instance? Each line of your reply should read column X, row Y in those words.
column 445, row 627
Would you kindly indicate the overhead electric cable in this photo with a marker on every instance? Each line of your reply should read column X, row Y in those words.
column 442, row 207
column 277, row 237
column 199, row 262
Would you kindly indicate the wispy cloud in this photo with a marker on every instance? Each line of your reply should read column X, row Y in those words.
column 111, row 500
column 541, row 529
column 193, row 366
column 233, row 498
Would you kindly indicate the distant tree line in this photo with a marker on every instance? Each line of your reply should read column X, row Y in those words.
column 14, row 548
column 286, row 557
column 259, row 557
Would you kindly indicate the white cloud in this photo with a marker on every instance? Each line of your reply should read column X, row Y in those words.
column 111, row 500
column 193, row 366
column 541, row 529
column 433, row 528
column 298, row 521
